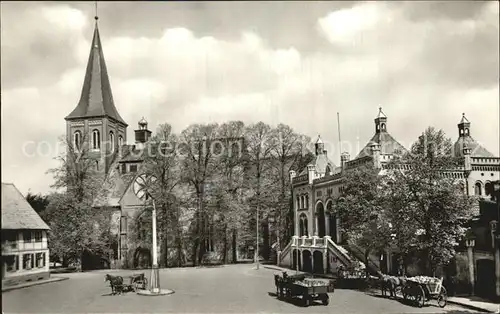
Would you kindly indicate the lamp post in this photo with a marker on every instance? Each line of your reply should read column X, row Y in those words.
column 142, row 189
column 470, row 242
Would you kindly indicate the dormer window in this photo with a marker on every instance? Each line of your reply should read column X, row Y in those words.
column 96, row 140
column 77, row 140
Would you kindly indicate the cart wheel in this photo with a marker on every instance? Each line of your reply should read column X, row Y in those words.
column 326, row 300
column 307, row 300
column 420, row 297
column 442, row 297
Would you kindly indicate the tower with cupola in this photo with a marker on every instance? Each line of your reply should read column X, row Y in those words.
column 95, row 124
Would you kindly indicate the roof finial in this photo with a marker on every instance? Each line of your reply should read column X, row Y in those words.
column 96, row 17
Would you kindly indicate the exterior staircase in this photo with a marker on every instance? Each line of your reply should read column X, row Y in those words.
column 348, row 255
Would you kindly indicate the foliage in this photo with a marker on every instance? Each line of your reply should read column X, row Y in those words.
column 431, row 202
column 39, row 202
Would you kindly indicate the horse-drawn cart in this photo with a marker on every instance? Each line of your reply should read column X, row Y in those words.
column 308, row 289
column 136, row 282
column 421, row 289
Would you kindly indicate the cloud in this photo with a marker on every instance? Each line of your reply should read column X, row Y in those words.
column 424, row 68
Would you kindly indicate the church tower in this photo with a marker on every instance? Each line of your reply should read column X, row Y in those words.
column 95, row 124
column 380, row 122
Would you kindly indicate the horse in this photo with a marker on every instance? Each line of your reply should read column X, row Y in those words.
column 116, row 283
column 391, row 283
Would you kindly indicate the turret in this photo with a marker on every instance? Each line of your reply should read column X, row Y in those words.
column 375, row 152
column 320, row 146
column 142, row 134
column 467, row 152
column 310, row 173
column 463, row 127
column 344, row 158
column 380, row 122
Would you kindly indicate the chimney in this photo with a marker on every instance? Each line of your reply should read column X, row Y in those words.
column 467, row 152
column 344, row 158
column 310, row 173
column 375, row 150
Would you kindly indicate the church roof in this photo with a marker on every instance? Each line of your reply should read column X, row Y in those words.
column 476, row 149
column 17, row 212
column 388, row 145
column 96, row 99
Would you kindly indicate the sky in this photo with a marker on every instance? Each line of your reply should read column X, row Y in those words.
column 298, row 63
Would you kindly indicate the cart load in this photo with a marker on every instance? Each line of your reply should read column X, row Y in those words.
column 307, row 289
column 421, row 289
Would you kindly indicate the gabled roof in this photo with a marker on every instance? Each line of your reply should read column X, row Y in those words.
column 388, row 145
column 96, row 99
column 17, row 212
column 476, row 149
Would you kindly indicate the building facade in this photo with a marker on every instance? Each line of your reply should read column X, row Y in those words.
column 318, row 245
column 25, row 252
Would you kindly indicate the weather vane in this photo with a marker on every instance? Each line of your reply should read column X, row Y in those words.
column 96, row 17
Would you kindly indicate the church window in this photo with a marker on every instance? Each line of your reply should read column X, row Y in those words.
column 97, row 165
column 477, row 188
column 112, row 140
column 120, row 141
column 77, row 139
column 96, row 140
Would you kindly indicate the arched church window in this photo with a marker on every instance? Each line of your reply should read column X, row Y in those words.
column 120, row 141
column 382, row 126
column 112, row 140
column 477, row 188
column 466, row 132
column 96, row 140
column 77, row 139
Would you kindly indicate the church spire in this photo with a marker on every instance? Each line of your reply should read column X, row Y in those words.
column 96, row 99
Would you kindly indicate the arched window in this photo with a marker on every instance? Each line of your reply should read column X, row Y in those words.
column 120, row 141
column 77, row 140
column 478, row 188
column 488, row 188
column 307, row 201
column 112, row 140
column 298, row 202
column 303, row 225
column 96, row 139
column 97, row 165
column 301, row 201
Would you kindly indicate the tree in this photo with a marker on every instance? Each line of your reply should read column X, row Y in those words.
column 361, row 211
column 39, row 202
column 287, row 149
column 228, row 200
column 75, row 225
column 430, row 200
column 199, row 165
column 259, row 152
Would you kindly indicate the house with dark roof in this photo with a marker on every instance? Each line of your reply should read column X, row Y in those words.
column 316, row 188
column 25, row 252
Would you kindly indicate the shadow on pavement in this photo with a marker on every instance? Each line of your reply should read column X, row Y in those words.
column 403, row 301
column 295, row 301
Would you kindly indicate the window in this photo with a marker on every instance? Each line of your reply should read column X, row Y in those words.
column 38, row 236
column 124, row 168
column 133, row 168
column 477, row 188
column 112, row 140
column 28, row 261
column 40, row 260
column 97, row 165
column 488, row 188
column 11, row 262
column 77, row 140
column 96, row 139
column 27, row 236
column 120, row 141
